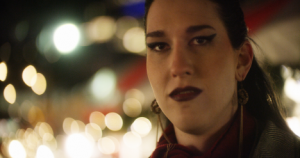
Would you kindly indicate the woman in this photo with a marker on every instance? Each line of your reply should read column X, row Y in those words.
column 208, row 84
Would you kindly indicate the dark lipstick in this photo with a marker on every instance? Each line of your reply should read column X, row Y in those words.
column 185, row 94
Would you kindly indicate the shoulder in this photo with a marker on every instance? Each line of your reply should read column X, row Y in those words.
column 275, row 142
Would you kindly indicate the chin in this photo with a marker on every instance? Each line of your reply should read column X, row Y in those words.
column 191, row 126
column 190, row 129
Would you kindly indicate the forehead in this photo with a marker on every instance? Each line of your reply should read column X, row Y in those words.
column 166, row 14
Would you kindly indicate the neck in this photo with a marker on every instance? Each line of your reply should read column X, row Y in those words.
column 201, row 143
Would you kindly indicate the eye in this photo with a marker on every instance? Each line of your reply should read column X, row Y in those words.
column 197, row 41
column 202, row 40
column 158, row 46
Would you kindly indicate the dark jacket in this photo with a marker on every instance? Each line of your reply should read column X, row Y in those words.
column 277, row 143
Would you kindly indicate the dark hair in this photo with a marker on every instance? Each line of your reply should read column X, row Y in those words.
column 263, row 103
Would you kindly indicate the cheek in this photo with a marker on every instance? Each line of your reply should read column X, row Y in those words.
column 220, row 72
column 224, row 63
column 155, row 76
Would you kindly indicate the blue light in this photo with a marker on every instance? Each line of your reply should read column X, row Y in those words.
column 136, row 10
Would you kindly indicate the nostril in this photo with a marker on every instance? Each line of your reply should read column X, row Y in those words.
column 182, row 74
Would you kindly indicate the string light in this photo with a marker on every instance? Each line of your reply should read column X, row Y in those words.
column 113, row 121
column 132, row 140
column 16, row 149
column 10, row 93
column 78, row 146
column 28, row 75
column 40, row 84
column 141, row 126
column 134, row 40
column 98, row 118
column 3, row 71
column 44, row 152
column 66, row 37
column 132, row 107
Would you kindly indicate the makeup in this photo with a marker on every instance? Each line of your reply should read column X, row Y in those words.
column 185, row 94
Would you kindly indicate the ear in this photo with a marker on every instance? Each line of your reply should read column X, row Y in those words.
column 245, row 57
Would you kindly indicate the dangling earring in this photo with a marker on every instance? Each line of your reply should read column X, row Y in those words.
column 156, row 109
column 243, row 98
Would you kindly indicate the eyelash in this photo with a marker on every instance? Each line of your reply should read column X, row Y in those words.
column 154, row 45
column 207, row 40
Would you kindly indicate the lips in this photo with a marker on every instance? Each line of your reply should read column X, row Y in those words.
column 185, row 94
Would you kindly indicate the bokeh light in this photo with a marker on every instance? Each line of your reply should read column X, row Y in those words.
column 113, row 121
column 75, row 127
column 85, row 40
column 94, row 131
column 32, row 139
column 132, row 140
column 40, row 84
column 3, row 71
column 137, row 94
column 125, row 23
column 142, row 126
column 49, row 140
column 81, row 126
column 10, row 93
column 35, row 115
column 134, row 40
column 104, row 83
column 11, row 126
column 98, row 118
column 101, row 29
column 44, row 129
column 132, row 107
column 16, row 149
column 107, row 145
column 286, row 71
column 20, row 134
column 24, row 109
column 66, row 37
column 294, row 124
column 43, row 41
column 67, row 125
column 44, row 152
column 79, row 146
column 5, row 146
column 28, row 74
column 3, row 124
column 292, row 89
column 116, row 142
column 47, row 137
column 44, row 45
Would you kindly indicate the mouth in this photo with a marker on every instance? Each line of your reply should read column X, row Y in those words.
column 185, row 94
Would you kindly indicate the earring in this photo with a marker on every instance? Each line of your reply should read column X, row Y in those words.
column 155, row 108
column 243, row 96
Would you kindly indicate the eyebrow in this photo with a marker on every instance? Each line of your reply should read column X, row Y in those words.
column 196, row 28
column 191, row 29
column 158, row 33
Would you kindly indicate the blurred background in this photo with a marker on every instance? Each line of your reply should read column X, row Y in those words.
column 73, row 76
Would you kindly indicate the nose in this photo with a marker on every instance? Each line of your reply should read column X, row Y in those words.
column 181, row 63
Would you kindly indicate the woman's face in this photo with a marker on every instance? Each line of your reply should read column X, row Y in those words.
column 191, row 64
